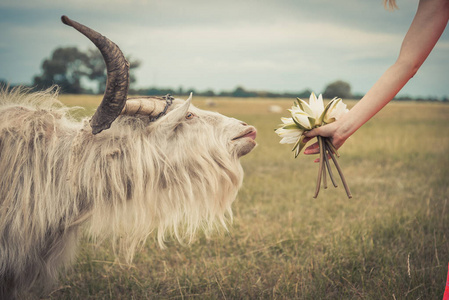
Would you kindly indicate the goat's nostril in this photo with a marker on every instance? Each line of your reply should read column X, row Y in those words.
column 243, row 123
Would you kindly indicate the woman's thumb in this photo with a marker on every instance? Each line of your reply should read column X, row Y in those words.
column 312, row 133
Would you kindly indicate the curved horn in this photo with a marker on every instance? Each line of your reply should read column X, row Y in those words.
column 117, row 77
column 153, row 107
column 144, row 106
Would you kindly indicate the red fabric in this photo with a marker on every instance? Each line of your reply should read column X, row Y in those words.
column 446, row 290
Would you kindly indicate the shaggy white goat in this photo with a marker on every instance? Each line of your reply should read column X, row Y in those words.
column 140, row 165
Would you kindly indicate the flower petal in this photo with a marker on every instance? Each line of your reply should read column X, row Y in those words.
column 299, row 145
column 289, row 136
column 316, row 104
column 302, row 120
column 287, row 121
column 335, row 112
column 304, row 106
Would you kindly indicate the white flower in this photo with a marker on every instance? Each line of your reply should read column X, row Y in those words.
column 336, row 109
column 305, row 107
column 289, row 131
column 316, row 105
column 301, row 118
column 306, row 116
column 314, row 109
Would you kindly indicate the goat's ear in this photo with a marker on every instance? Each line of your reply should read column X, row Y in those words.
column 176, row 116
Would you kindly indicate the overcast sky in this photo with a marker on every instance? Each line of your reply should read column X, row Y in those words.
column 276, row 45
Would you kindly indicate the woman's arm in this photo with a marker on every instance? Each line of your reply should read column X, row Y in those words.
column 429, row 23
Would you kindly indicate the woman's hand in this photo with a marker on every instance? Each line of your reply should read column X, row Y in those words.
column 330, row 131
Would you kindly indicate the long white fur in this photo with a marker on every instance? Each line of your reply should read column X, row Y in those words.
column 173, row 176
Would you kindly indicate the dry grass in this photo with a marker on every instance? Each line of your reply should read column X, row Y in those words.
column 388, row 242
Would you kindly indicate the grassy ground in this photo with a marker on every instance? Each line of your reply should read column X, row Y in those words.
column 388, row 242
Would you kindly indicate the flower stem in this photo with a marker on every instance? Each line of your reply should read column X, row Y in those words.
column 326, row 161
column 348, row 192
column 332, row 147
column 323, row 155
column 320, row 169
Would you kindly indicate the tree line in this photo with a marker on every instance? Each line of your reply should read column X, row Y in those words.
column 78, row 72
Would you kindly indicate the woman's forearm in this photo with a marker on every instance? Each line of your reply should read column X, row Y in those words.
column 429, row 23
column 385, row 89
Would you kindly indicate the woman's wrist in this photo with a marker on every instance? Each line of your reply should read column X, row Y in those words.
column 343, row 130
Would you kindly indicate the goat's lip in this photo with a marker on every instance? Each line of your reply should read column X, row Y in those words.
column 251, row 133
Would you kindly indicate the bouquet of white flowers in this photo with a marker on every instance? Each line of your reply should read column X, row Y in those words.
column 306, row 116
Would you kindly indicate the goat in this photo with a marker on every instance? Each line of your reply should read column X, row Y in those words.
column 139, row 165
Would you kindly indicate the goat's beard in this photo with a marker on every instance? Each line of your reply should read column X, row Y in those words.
column 244, row 146
column 136, row 187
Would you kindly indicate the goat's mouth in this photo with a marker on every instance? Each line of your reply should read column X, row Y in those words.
column 250, row 133
column 245, row 141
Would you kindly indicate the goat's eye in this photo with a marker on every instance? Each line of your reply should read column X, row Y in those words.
column 189, row 115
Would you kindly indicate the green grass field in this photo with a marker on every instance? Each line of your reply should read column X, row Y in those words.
column 389, row 242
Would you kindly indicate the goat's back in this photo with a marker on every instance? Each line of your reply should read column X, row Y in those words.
column 33, row 145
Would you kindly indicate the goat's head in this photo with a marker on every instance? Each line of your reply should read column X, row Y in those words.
column 172, row 115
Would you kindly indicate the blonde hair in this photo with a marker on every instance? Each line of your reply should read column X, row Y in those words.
column 390, row 4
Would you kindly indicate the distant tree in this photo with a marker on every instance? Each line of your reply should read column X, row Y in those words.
column 339, row 89
column 65, row 68
column 304, row 94
column 153, row 91
column 97, row 69
column 68, row 65
column 208, row 93
column 241, row 92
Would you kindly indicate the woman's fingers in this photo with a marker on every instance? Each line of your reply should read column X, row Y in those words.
column 312, row 149
column 312, row 133
column 306, row 139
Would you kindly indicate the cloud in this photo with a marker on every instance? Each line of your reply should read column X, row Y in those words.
column 293, row 46
column 277, row 45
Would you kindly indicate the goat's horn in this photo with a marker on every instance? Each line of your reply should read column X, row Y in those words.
column 144, row 106
column 117, row 77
